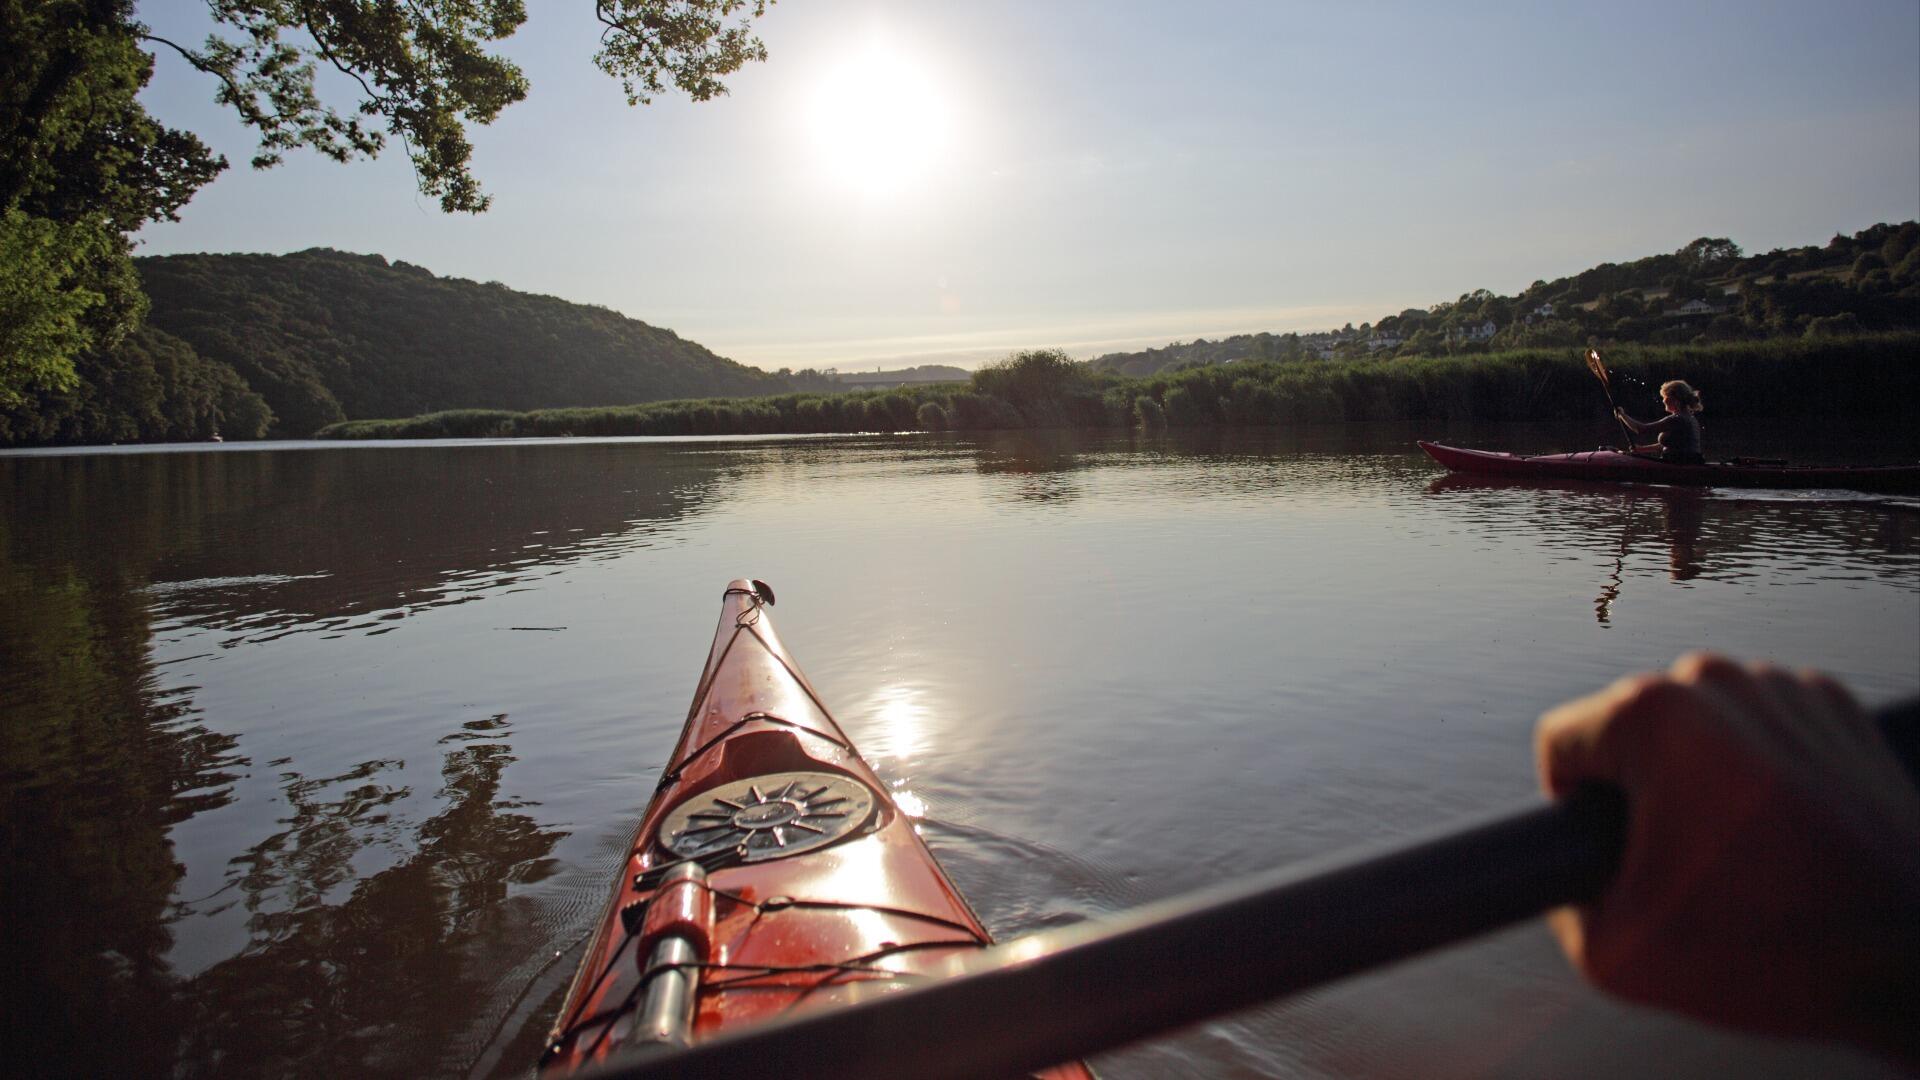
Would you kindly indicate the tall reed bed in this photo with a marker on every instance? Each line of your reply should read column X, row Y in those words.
column 1866, row 377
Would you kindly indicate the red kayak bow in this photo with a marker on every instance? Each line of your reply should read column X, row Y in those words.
column 772, row 872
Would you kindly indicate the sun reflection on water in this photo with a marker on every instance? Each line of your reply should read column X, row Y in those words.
column 910, row 804
column 900, row 730
column 898, row 735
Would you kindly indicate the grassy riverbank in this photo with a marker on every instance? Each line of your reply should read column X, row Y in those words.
column 1873, row 377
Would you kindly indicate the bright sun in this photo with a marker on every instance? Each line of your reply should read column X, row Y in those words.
column 879, row 123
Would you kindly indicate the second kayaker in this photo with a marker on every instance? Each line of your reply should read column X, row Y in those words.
column 1677, row 433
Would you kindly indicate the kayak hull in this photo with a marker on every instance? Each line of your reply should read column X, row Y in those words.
column 1614, row 466
column 822, row 892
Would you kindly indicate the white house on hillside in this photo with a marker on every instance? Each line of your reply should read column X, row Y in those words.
column 1472, row 332
column 1694, row 307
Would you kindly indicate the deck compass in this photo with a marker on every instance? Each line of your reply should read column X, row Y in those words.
column 767, row 817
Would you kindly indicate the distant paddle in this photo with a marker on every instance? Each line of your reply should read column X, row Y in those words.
column 1606, row 384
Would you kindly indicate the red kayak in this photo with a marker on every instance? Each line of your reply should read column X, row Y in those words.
column 771, row 872
column 1619, row 467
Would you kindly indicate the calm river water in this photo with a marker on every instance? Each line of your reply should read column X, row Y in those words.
column 319, row 759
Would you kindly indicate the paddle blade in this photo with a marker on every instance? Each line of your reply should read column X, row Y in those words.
column 1599, row 369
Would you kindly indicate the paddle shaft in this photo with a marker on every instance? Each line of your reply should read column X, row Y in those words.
column 1063, row 994
column 1599, row 369
column 1625, row 431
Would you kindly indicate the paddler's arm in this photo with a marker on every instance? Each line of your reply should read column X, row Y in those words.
column 1771, row 878
column 1639, row 428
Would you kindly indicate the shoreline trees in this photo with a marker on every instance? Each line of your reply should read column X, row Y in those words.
column 1872, row 376
column 83, row 165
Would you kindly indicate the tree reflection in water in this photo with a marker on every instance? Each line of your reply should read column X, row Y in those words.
column 96, row 766
column 1043, row 464
column 364, row 984
column 374, row 942
column 98, row 763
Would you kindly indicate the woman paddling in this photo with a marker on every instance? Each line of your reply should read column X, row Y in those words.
column 1678, row 432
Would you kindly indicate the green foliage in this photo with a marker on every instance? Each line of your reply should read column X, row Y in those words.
column 1861, row 376
column 1251, row 402
column 1707, row 256
column 781, row 414
column 81, row 163
column 688, row 41
column 326, row 336
column 45, row 300
column 1907, row 271
column 1034, row 375
column 1047, row 387
column 425, row 74
column 1183, row 408
column 320, row 337
column 151, row 388
column 422, row 68
column 1845, row 324
column 893, row 412
column 1900, row 243
column 811, row 415
column 978, row 412
column 76, row 144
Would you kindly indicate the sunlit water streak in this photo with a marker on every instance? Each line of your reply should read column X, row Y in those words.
column 316, row 757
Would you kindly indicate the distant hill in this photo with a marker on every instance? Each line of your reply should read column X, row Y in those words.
column 325, row 336
column 877, row 378
column 1708, row 291
column 1226, row 350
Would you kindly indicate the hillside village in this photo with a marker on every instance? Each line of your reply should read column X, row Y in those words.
column 1707, row 291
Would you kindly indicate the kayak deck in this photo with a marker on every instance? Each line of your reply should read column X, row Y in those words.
column 773, row 859
column 1620, row 467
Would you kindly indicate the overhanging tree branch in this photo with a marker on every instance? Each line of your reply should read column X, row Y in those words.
column 199, row 62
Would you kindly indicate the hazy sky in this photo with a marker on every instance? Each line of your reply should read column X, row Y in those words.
column 910, row 182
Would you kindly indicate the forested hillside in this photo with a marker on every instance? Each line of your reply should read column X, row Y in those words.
column 151, row 387
column 1708, row 291
column 326, row 336
column 282, row 345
